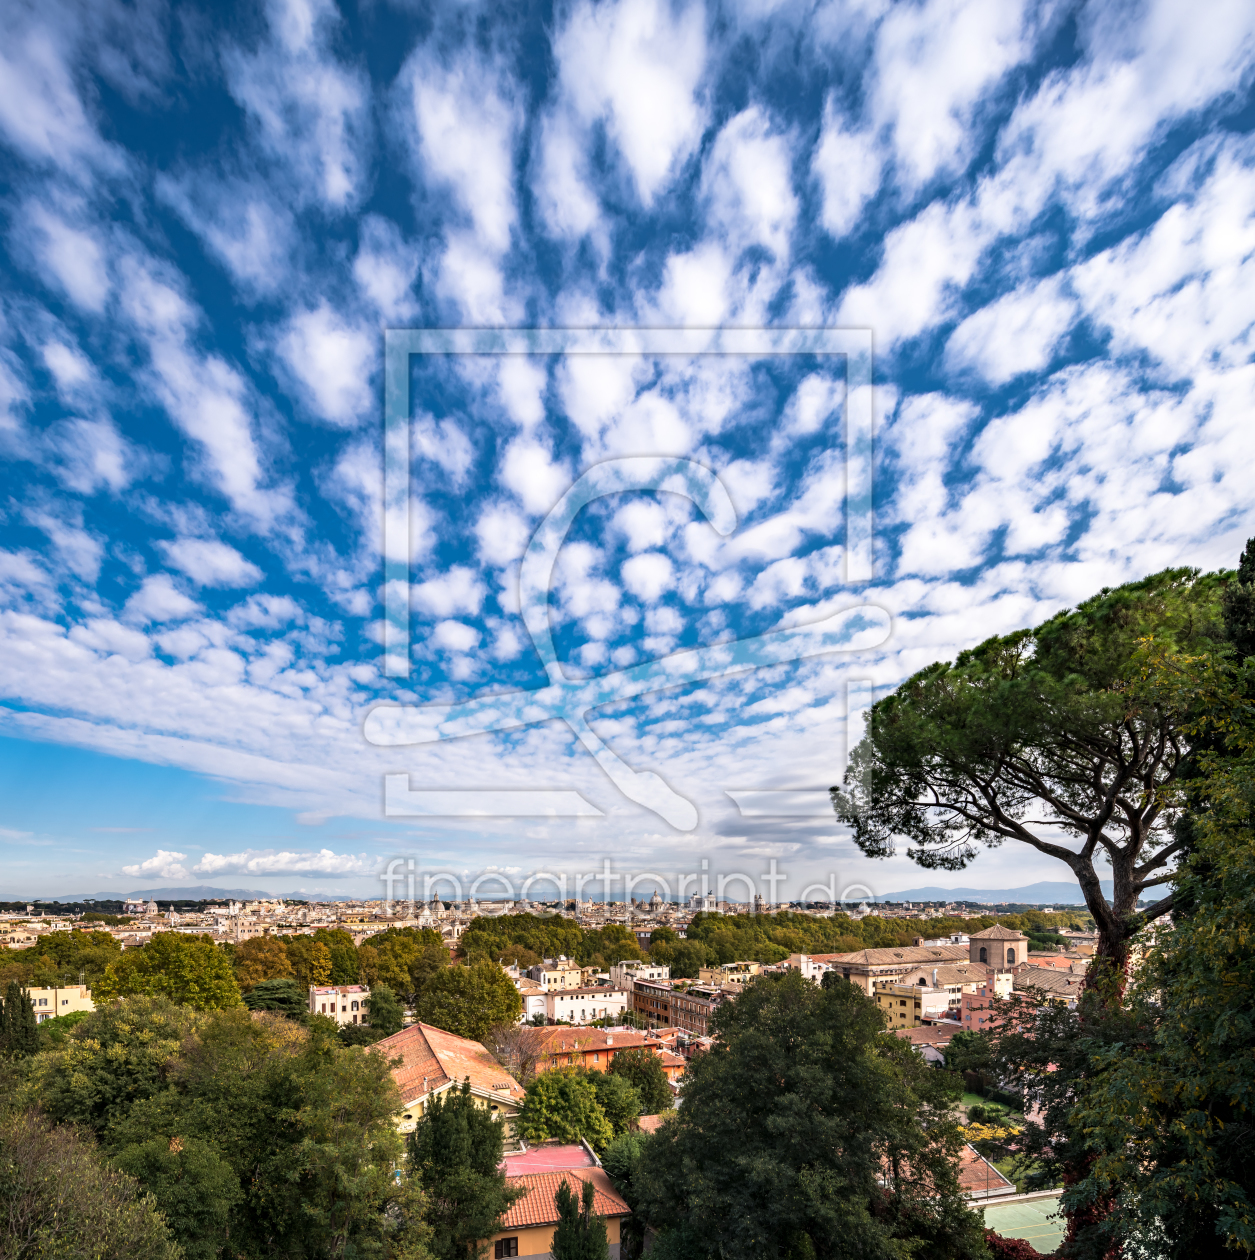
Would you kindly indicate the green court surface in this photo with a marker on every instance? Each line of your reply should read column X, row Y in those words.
column 1034, row 1221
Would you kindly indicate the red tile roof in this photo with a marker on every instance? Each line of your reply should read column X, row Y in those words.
column 998, row 933
column 568, row 1040
column 431, row 1058
column 551, row 1157
column 537, row 1206
column 977, row 1174
column 650, row 1124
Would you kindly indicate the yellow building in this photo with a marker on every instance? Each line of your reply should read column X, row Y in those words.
column 432, row 1061
column 903, row 1004
column 527, row 1228
column 49, row 1003
column 729, row 973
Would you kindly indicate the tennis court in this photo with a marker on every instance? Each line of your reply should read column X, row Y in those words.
column 1033, row 1220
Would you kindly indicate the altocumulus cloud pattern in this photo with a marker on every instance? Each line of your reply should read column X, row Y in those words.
column 1041, row 212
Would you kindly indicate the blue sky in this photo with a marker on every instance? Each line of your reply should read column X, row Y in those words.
column 1042, row 212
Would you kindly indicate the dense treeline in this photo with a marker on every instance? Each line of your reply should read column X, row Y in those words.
column 250, row 1134
column 713, row 938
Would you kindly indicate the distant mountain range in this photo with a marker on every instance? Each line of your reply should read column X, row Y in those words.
column 199, row 892
column 1046, row 892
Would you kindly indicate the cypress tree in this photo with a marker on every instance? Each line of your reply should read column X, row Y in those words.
column 581, row 1233
column 19, row 1035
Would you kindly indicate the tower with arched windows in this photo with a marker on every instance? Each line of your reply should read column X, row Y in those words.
column 999, row 948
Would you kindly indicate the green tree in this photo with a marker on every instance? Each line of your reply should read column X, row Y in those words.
column 189, row 970
column 343, row 954
column 968, row 1051
column 59, row 1198
column 642, row 1069
column 116, row 1057
column 455, row 1151
column 311, row 961
column 386, row 1013
column 1051, row 729
column 581, row 1233
column 403, row 959
column 262, row 958
column 468, row 1001
column 621, row 1160
column 193, row 1186
column 19, row 1033
column 561, row 1105
column 807, row 1132
column 280, row 995
column 1168, row 1112
column 618, row 1098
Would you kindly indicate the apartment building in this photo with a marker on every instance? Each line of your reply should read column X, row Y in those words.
column 869, row 968
column 692, row 1008
column 736, row 973
column 623, row 975
column 345, row 1003
column 583, row 1006
column 560, row 973
column 651, row 1001
column 910, row 1005
column 49, row 1003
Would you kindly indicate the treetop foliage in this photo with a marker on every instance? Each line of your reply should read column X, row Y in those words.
column 1058, row 727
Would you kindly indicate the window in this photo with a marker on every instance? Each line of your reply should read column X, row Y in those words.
column 984, row 954
column 1010, row 955
column 324, row 1008
column 505, row 1247
column 43, row 1001
column 353, row 1006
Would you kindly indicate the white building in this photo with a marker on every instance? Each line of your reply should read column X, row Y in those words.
column 810, row 967
column 345, row 1003
column 49, row 1003
column 533, row 995
column 622, row 974
column 582, row 1006
column 707, row 903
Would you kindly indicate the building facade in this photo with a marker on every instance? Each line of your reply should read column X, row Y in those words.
column 345, row 1003
column 49, row 1003
column 583, row 1006
column 998, row 948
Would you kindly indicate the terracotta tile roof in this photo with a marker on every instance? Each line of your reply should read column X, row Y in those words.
column 650, row 1124
column 998, row 933
column 537, row 1206
column 977, row 1174
column 897, row 954
column 1049, row 979
column 551, row 1157
column 436, row 1057
column 567, row 1040
column 930, row 1035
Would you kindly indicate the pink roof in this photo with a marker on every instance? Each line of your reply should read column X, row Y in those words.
column 548, row 1158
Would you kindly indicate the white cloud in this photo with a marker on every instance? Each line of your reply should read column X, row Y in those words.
column 284, row 862
column 41, row 113
column 637, row 65
column 164, row 864
column 503, row 535
column 249, row 232
column 528, row 470
column 847, row 165
column 647, row 575
column 457, row 591
column 748, row 183
column 159, row 600
column 311, row 112
column 204, row 395
column 934, row 62
column 73, row 258
column 455, row 636
column 68, row 365
column 444, row 443
column 88, row 455
column 386, row 268
column 568, row 206
column 1015, row 334
column 643, row 522
column 333, row 360
column 106, row 635
column 209, row 562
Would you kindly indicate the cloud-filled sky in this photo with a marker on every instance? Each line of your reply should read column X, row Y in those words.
column 1043, row 213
